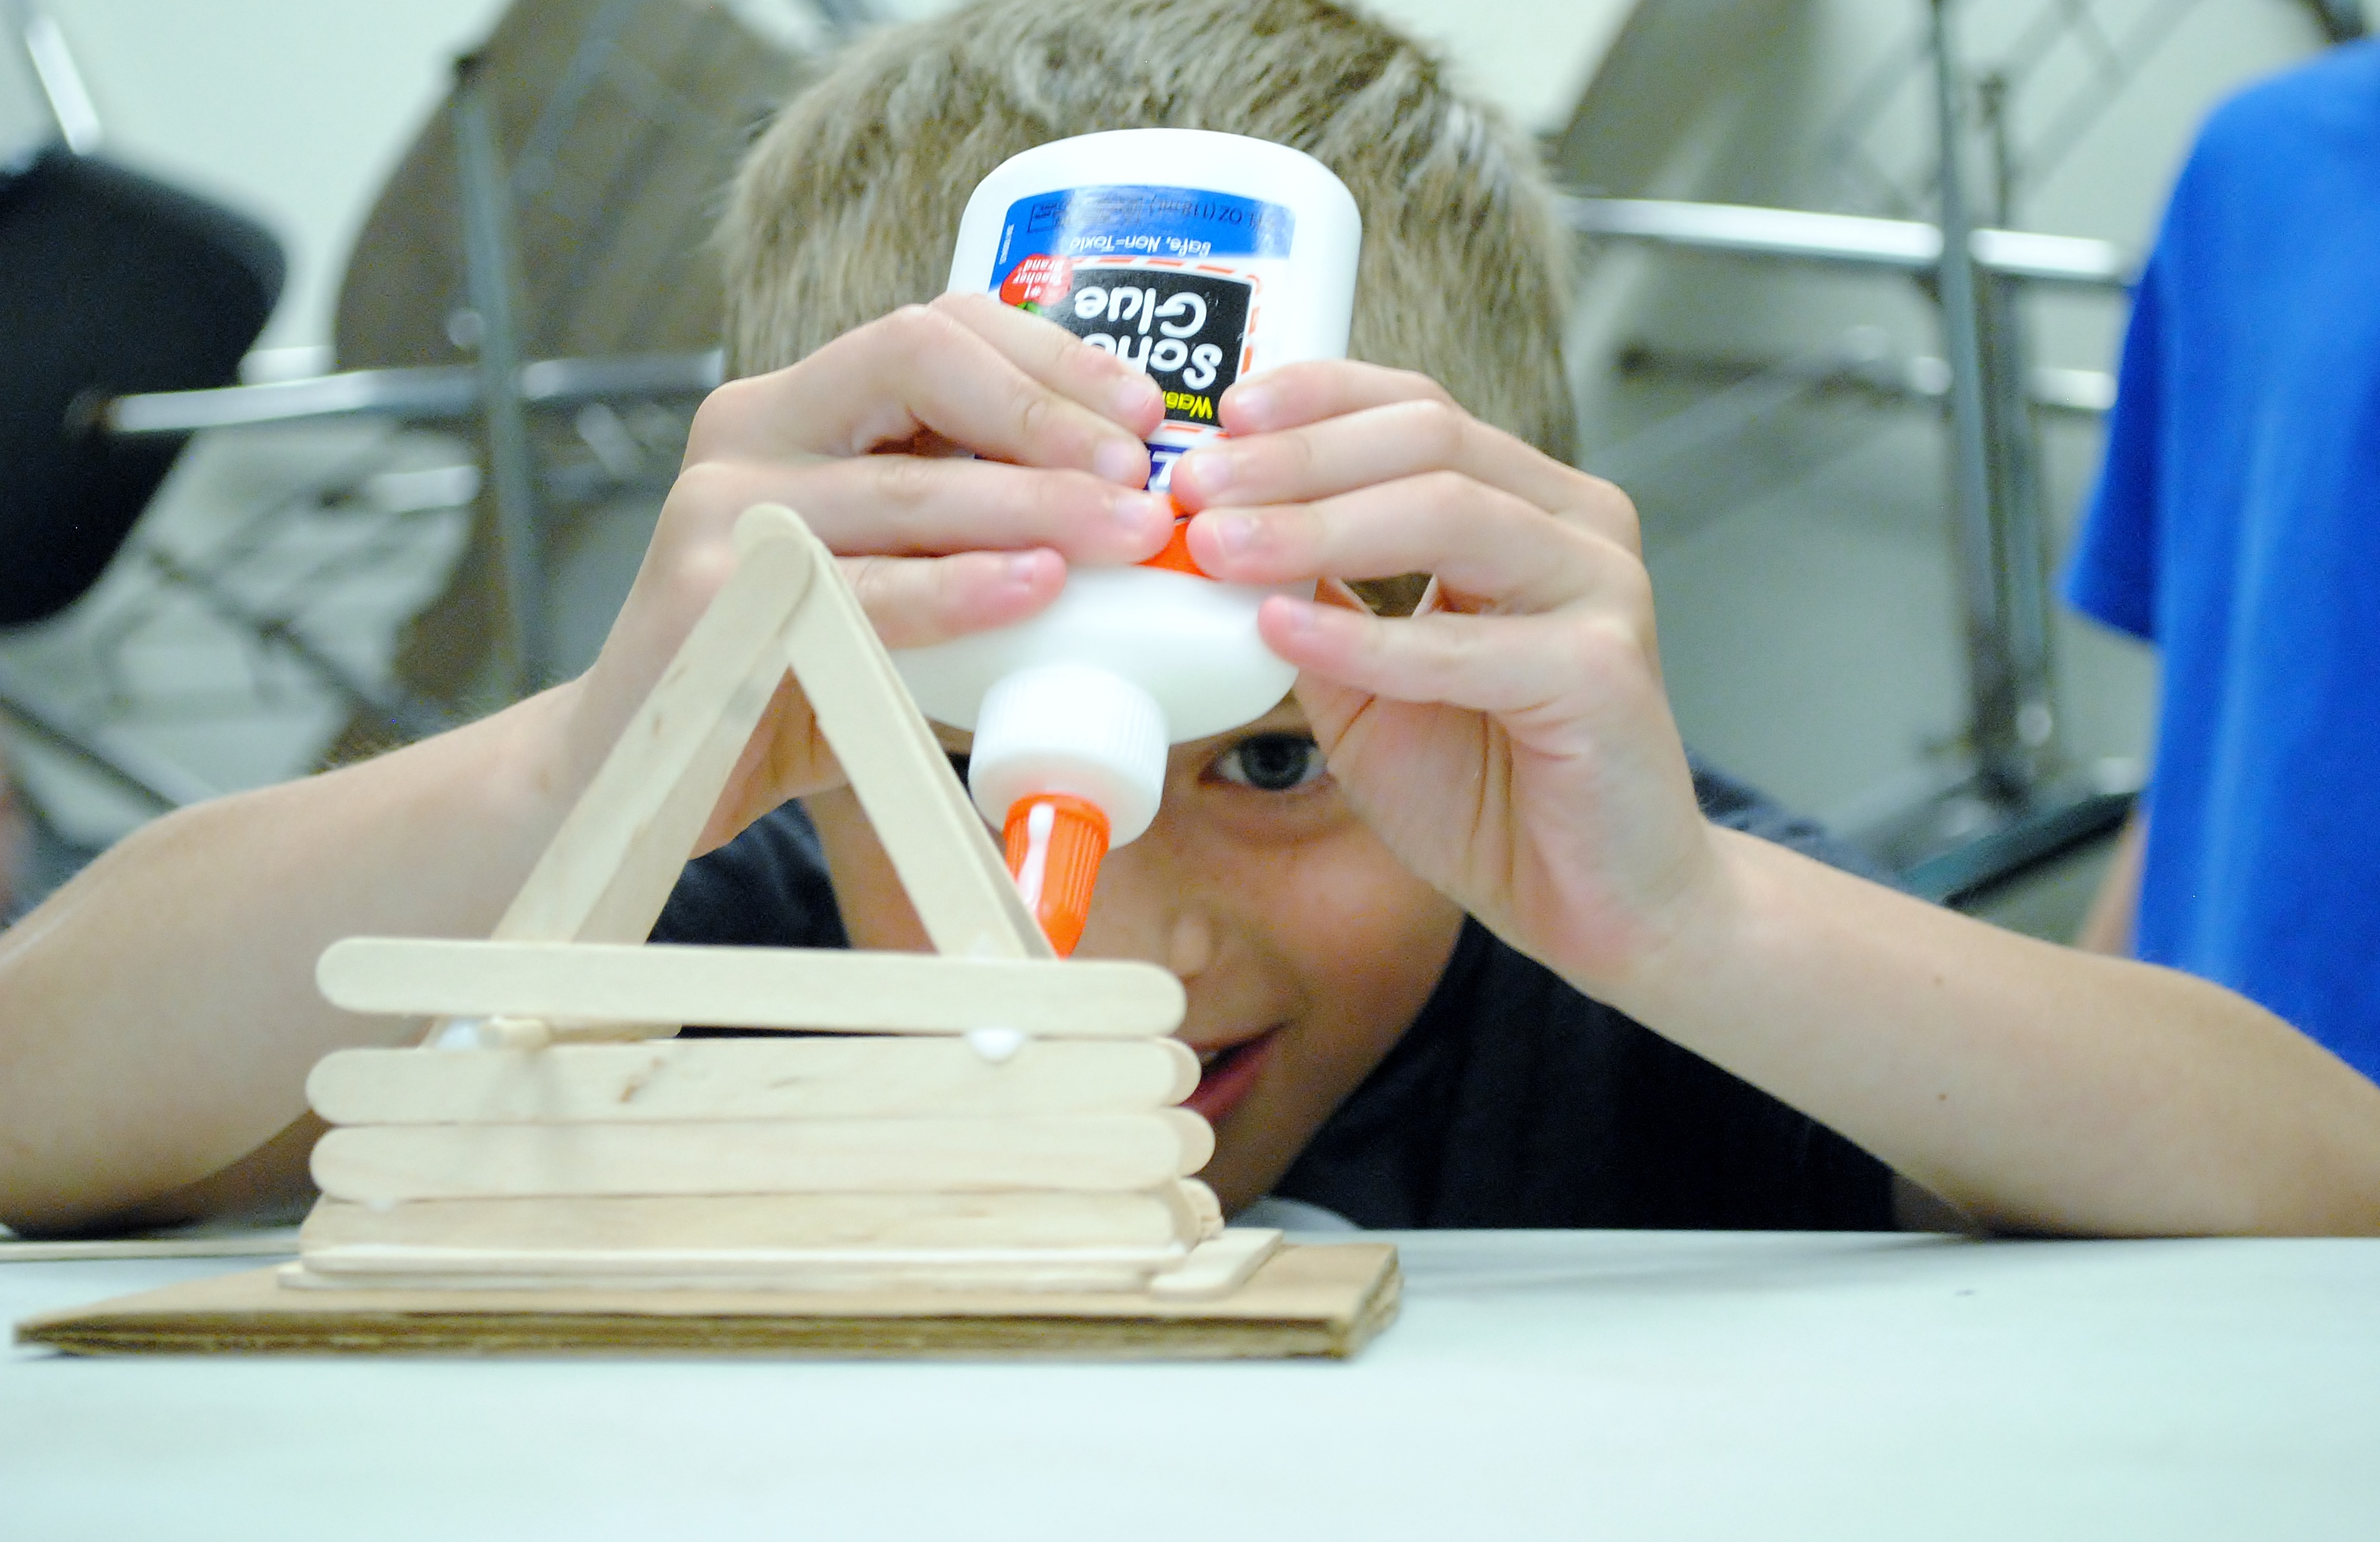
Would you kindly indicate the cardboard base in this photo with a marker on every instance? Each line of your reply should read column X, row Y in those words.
column 1304, row 1301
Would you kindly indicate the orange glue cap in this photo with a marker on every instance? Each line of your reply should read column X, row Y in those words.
column 1055, row 843
column 1177, row 557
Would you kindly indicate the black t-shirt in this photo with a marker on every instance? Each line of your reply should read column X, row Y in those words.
column 1513, row 1101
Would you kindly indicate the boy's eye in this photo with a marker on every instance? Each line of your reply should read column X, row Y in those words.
column 1272, row 762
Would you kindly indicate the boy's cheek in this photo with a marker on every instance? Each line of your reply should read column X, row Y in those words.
column 1311, row 1072
column 1334, row 923
column 1367, row 948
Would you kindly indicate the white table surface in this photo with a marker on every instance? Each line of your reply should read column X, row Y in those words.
column 1538, row 1385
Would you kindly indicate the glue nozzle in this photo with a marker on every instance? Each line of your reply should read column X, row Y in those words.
column 1055, row 843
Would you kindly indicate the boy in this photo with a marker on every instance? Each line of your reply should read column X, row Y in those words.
column 1509, row 758
column 2233, row 528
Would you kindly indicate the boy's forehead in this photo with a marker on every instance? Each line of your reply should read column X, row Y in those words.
column 1286, row 718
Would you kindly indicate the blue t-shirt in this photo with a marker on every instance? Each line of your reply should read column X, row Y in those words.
column 2237, row 526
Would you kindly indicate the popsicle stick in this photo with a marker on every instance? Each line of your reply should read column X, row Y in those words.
column 749, row 988
column 1204, row 1208
column 1146, row 1221
column 1217, row 1266
column 270, row 1243
column 938, row 843
column 537, row 1033
column 1055, row 1269
column 610, row 865
column 748, row 1079
column 1097, row 1152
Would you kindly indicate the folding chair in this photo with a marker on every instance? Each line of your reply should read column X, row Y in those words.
column 110, row 282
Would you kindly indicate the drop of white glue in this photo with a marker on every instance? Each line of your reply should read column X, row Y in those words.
column 995, row 1045
column 463, row 1033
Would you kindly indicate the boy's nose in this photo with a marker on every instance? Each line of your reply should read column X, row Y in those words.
column 1145, row 908
column 1190, row 946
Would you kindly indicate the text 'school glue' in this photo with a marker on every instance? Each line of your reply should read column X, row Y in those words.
column 1199, row 257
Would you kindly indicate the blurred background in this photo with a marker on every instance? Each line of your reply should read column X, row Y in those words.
column 378, row 387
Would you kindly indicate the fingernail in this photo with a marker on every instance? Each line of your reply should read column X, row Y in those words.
column 1254, row 402
column 1210, row 470
column 1232, row 533
column 1134, row 395
column 1299, row 613
column 1120, row 460
column 1136, row 511
column 1019, row 569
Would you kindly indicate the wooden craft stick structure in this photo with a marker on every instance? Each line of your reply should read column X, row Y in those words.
column 984, row 1118
column 677, row 1082
column 758, row 988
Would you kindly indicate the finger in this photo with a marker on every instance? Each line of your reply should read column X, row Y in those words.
column 917, row 601
column 1055, row 356
column 1297, row 394
column 1492, row 550
column 765, row 766
column 908, row 506
column 1510, row 666
column 1380, row 442
column 923, row 370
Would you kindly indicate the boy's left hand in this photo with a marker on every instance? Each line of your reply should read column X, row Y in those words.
column 1514, row 746
column 1515, row 750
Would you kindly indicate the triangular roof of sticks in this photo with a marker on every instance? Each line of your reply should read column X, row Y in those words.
column 611, row 865
column 601, row 884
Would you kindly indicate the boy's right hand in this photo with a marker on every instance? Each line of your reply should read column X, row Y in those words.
column 956, row 456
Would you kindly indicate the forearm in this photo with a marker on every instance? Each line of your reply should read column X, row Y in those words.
column 2036, row 1087
column 2108, row 926
column 158, row 1016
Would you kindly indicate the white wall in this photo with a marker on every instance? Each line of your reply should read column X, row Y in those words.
column 1533, row 57
column 1811, row 634
column 1808, row 627
column 294, row 111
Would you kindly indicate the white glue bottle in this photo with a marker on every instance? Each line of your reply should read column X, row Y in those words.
column 1200, row 258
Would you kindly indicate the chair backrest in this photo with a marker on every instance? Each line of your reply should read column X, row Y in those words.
column 110, row 282
column 620, row 124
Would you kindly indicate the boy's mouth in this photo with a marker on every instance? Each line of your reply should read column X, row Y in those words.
column 1226, row 1074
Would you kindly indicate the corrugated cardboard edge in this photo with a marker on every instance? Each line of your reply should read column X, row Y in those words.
column 1315, row 1301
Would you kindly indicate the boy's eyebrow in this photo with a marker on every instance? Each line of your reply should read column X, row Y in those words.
column 1286, row 718
column 1285, row 711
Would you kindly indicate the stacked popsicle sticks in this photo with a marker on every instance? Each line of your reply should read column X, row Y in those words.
column 1063, row 1169
column 972, row 1152
column 982, row 1118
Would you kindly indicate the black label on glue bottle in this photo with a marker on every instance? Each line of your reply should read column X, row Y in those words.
column 1169, row 279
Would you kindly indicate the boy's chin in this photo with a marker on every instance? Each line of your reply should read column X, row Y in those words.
column 1257, row 1139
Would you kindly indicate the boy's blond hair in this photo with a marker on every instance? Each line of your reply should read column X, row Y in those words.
column 848, row 205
